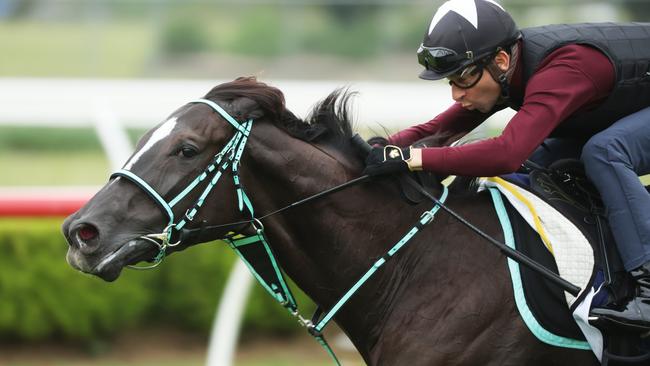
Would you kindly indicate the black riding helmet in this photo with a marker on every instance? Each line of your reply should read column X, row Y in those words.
column 463, row 32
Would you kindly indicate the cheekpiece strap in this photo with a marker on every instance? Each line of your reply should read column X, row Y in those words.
column 229, row 156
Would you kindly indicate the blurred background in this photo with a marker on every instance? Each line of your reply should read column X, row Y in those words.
column 80, row 80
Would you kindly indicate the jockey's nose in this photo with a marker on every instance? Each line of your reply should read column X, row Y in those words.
column 84, row 237
column 457, row 93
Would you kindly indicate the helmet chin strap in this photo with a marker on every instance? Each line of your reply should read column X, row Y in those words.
column 503, row 77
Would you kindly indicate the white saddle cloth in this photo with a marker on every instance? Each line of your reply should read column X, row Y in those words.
column 570, row 248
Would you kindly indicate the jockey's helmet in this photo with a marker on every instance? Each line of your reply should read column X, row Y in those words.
column 464, row 32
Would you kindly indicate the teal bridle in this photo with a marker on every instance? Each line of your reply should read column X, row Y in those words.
column 228, row 157
column 274, row 283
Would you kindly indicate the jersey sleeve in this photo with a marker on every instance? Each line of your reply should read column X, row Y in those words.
column 571, row 79
column 455, row 120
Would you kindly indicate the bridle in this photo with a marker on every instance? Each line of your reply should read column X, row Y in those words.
column 270, row 275
column 228, row 157
column 273, row 280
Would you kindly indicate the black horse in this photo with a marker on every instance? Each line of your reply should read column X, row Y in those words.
column 446, row 299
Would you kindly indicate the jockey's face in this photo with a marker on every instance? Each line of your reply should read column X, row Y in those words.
column 484, row 95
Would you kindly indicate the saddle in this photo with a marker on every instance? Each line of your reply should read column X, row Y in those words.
column 565, row 187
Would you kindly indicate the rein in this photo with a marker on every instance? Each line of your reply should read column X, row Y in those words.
column 210, row 231
column 254, row 248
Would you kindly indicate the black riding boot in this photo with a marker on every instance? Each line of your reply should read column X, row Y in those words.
column 635, row 314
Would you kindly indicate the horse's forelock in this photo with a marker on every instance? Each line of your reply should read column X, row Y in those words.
column 269, row 100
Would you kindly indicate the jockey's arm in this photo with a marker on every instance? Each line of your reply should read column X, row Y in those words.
column 453, row 121
column 568, row 82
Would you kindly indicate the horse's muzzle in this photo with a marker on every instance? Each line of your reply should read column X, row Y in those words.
column 84, row 244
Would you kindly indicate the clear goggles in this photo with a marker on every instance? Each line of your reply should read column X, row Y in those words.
column 468, row 76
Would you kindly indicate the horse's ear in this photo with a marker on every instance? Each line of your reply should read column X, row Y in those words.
column 244, row 109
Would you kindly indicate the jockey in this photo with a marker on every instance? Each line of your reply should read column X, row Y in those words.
column 580, row 91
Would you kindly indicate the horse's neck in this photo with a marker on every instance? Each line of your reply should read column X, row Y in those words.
column 326, row 245
column 321, row 242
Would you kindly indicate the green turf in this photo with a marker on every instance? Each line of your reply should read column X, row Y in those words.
column 32, row 48
column 29, row 168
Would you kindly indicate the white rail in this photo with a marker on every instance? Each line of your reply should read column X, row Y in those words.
column 143, row 103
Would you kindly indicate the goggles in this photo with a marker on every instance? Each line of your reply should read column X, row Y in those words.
column 467, row 77
column 441, row 59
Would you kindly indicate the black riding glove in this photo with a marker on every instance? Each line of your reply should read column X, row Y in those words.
column 388, row 159
column 377, row 141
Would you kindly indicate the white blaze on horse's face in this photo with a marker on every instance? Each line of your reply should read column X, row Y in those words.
column 161, row 132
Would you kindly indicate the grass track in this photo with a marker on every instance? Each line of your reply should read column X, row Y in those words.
column 24, row 168
column 73, row 49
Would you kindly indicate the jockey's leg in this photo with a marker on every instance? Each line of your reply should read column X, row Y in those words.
column 554, row 149
column 613, row 159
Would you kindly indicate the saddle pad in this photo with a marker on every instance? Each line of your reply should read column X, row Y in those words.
column 571, row 249
column 539, row 217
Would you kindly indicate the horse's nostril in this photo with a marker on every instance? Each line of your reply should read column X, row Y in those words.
column 84, row 237
column 87, row 232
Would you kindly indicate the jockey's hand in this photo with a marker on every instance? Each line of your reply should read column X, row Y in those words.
column 390, row 159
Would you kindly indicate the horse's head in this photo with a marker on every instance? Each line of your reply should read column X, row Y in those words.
column 185, row 163
column 185, row 174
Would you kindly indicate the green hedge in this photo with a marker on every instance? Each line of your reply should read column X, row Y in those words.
column 42, row 297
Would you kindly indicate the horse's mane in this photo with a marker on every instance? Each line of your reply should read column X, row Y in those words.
column 327, row 124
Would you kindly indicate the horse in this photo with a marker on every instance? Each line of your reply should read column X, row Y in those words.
column 446, row 299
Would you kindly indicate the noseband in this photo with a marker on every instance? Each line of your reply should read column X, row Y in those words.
column 228, row 157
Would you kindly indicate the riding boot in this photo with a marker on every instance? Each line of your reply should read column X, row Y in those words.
column 634, row 314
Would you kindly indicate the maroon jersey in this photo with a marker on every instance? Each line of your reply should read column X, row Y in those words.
column 570, row 80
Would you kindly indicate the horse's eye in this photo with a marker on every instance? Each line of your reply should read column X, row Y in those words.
column 188, row 151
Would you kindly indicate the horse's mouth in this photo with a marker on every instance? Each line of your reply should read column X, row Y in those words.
column 110, row 266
